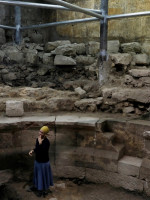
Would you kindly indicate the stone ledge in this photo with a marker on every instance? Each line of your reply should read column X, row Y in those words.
column 115, row 179
column 76, row 120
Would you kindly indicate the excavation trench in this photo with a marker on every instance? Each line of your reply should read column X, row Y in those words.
column 86, row 153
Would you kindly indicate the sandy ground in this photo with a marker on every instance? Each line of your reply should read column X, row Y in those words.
column 72, row 191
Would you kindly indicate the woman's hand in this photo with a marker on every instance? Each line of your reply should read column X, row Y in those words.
column 31, row 152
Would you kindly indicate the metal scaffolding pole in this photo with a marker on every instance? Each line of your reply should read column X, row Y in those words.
column 103, row 63
column 18, row 24
column 75, row 8
column 103, row 31
column 7, row 27
column 40, row 5
column 60, row 23
column 138, row 14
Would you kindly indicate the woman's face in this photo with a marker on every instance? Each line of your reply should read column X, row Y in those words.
column 41, row 134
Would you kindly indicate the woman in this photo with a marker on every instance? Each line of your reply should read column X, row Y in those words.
column 42, row 171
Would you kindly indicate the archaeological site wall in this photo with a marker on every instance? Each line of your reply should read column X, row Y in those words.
column 89, row 149
column 64, row 76
column 56, row 70
column 126, row 30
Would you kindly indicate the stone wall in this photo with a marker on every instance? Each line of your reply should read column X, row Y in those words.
column 64, row 69
column 96, row 150
column 126, row 30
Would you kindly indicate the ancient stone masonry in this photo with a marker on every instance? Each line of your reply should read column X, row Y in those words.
column 98, row 150
column 65, row 76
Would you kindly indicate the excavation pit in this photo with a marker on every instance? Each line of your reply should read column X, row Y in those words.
column 92, row 149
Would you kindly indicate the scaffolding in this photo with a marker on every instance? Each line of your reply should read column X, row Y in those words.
column 97, row 15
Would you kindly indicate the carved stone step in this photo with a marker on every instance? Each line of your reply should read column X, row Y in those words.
column 115, row 152
column 109, row 135
column 130, row 166
column 98, row 158
column 104, row 140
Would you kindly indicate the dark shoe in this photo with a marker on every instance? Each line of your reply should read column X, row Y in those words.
column 49, row 191
column 31, row 189
column 39, row 193
column 45, row 194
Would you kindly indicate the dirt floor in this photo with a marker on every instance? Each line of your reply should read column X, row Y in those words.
column 67, row 190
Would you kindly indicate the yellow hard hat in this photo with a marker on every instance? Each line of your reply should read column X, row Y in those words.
column 44, row 129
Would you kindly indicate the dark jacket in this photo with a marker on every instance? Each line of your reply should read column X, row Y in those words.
column 41, row 151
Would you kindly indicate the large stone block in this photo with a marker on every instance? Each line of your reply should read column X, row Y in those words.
column 141, row 59
column 14, row 108
column 85, row 138
column 64, row 155
column 115, row 179
column 28, row 138
column 93, row 48
column 31, row 56
column 113, row 46
column 145, row 170
column 85, row 60
column 131, row 47
column 47, row 59
column 68, row 171
column 64, row 60
column 121, row 58
column 66, row 137
column 137, row 73
column 129, row 165
column 104, row 140
column 15, row 55
column 50, row 46
column 89, row 104
column 80, row 48
column 105, row 164
column 83, row 157
column 86, row 157
column 146, row 47
column 60, row 104
column 65, row 50
column 83, row 122
column 112, row 154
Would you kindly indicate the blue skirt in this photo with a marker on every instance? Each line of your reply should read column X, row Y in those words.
column 43, row 178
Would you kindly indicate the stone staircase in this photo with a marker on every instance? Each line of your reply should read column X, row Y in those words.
column 99, row 157
column 111, row 165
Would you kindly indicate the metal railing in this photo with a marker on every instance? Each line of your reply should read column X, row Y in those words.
column 97, row 15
